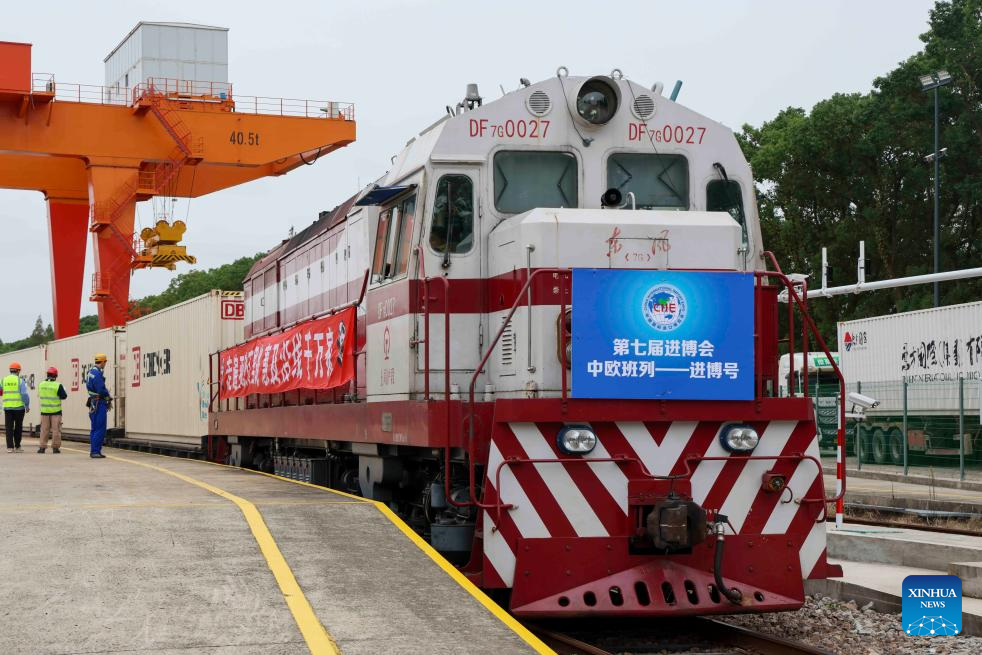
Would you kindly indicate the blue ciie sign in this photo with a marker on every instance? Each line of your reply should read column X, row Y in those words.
column 663, row 334
column 932, row 605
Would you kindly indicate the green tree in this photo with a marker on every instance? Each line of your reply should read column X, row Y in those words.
column 37, row 334
column 88, row 323
column 189, row 285
column 852, row 169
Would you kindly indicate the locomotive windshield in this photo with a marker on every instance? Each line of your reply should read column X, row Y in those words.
column 526, row 179
column 657, row 181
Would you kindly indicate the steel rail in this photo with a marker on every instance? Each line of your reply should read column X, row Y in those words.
column 734, row 635
column 566, row 645
column 912, row 526
column 714, row 630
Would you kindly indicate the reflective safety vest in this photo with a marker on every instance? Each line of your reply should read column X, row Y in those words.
column 48, row 393
column 11, row 392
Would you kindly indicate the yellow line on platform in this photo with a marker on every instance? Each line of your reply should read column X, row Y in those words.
column 537, row 644
column 496, row 610
column 319, row 641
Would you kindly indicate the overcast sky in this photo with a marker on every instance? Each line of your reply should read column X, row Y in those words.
column 402, row 61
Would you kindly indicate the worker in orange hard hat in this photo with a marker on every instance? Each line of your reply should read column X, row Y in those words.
column 51, row 393
column 16, row 403
column 99, row 402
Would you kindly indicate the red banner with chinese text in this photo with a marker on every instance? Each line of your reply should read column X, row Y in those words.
column 317, row 354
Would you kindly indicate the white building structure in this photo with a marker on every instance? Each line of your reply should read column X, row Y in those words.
column 170, row 51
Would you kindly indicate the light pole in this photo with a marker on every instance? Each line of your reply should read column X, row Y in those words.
column 933, row 82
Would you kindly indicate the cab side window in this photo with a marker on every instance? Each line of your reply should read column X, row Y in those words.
column 407, row 215
column 726, row 196
column 453, row 215
column 381, row 240
column 393, row 240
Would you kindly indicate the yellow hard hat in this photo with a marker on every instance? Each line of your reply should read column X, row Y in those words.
column 100, row 357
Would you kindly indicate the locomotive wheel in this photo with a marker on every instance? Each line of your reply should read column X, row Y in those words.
column 878, row 446
column 896, row 446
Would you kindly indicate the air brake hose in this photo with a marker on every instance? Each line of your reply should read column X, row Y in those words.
column 732, row 593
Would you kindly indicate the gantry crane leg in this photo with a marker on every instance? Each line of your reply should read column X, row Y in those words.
column 112, row 196
column 68, row 223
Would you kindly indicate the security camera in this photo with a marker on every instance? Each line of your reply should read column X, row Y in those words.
column 863, row 401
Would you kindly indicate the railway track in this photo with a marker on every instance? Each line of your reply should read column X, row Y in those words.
column 702, row 635
column 913, row 526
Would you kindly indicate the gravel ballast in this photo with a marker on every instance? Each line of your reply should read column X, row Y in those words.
column 842, row 627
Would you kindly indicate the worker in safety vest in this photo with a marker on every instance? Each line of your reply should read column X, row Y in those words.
column 51, row 393
column 16, row 402
column 98, row 403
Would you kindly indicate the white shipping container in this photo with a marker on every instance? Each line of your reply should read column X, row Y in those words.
column 928, row 349
column 32, row 371
column 73, row 357
column 175, row 51
column 167, row 390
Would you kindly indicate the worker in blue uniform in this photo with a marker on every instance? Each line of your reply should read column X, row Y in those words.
column 98, row 403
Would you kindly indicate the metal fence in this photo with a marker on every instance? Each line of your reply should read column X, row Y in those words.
column 941, row 421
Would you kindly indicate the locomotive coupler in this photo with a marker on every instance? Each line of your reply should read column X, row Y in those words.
column 676, row 524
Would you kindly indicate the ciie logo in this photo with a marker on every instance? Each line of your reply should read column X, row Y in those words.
column 664, row 307
column 932, row 605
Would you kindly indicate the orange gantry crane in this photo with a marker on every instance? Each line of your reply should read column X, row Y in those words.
column 96, row 151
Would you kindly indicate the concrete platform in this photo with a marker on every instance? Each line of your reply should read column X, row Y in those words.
column 916, row 493
column 971, row 577
column 937, row 476
column 876, row 560
column 114, row 556
column 905, row 547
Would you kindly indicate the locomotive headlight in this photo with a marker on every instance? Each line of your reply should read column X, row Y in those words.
column 739, row 438
column 597, row 100
column 576, row 439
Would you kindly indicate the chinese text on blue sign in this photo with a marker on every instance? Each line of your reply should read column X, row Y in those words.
column 663, row 334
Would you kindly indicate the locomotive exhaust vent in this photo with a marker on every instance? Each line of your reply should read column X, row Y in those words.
column 538, row 103
column 507, row 345
column 643, row 106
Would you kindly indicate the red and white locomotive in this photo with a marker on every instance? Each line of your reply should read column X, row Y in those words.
column 462, row 414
